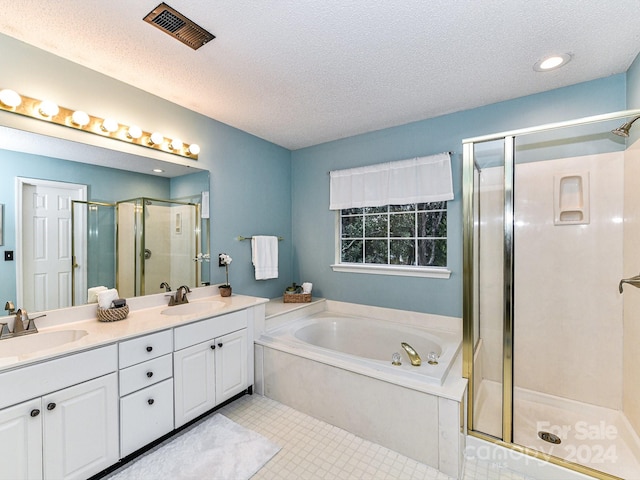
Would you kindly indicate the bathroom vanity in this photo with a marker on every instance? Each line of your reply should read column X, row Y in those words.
column 72, row 410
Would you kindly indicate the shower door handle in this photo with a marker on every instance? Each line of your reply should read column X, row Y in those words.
column 635, row 281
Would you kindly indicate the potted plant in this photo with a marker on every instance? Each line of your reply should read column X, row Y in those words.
column 224, row 259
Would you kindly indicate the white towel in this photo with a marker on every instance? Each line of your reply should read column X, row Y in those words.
column 264, row 254
column 92, row 293
column 106, row 297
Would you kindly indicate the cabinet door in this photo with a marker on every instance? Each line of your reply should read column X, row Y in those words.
column 231, row 365
column 145, row 416
column 193, row 372
column 81, row 429
column 21, row 441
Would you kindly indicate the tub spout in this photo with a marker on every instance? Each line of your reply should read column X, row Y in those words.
column 415, row 359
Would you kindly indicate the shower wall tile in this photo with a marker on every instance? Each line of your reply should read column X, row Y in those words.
column 631, row 296
column 568, row 312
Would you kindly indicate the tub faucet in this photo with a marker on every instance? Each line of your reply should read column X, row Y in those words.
column 415, row 359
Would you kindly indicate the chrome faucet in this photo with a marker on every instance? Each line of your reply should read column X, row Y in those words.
column 180, row 296
column 415, row 359
column 18, row 326
column 10, row 308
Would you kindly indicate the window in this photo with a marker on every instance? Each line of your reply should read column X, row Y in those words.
column 398, row 235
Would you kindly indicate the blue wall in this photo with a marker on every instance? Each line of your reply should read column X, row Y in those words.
column 633, row 96
column 314, row 224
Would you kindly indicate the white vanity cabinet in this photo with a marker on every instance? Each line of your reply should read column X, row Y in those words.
column 59, row 419
column 146, row 390
column 210, row 371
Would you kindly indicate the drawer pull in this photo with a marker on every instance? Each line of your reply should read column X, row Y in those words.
column 220, row 344
column 213, row 347
column 149, row 374
column 149, row 349
column 51, row 406
column 35, row 412
column 150, row 401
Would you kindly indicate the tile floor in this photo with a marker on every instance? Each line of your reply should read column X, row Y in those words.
column 312, row 449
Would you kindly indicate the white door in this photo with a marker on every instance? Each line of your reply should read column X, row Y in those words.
column 21, row 441
column 194, row 378
column 81, row 429
column 231, row 365
column 44, row 236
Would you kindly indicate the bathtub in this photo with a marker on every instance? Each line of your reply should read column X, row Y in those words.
column 337, row 367
column 366, row 346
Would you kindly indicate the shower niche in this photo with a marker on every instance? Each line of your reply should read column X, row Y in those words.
column 571, row 198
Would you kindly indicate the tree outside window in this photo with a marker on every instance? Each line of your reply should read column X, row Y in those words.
column 412, row 235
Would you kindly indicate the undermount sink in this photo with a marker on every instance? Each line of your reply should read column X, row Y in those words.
column 194, row 308
column 33, row 342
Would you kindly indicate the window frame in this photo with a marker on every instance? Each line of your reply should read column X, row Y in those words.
column 386, row 269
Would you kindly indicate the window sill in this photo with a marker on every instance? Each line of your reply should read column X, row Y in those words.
column 402, row 271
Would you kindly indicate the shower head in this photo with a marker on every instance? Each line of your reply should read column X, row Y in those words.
column 623, row 130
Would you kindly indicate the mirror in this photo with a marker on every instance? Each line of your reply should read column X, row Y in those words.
column 109, row 179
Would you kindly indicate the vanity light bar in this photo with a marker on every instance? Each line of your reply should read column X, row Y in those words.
column 10, row 101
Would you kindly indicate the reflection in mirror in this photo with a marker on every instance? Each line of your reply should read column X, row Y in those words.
column 88, row 246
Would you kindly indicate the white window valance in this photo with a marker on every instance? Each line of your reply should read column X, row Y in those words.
column 415, row 180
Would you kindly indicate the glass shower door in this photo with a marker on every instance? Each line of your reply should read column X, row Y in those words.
column 93, row 247
column 488, row 296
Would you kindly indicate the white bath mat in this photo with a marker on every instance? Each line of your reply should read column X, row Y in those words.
column 216, row 449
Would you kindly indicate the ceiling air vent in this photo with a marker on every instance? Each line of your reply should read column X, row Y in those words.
column 178, row 26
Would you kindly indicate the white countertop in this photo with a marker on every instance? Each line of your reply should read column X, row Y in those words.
column 144, row 317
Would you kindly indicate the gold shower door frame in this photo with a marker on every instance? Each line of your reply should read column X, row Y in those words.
column 468, row 311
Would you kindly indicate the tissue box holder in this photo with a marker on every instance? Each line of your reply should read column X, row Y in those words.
column 113, row 314
column 296, row 297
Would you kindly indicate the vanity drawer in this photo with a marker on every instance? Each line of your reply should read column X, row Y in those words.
column 145, row 348
column 205, row 330
column 145, row 416
column 144, row 374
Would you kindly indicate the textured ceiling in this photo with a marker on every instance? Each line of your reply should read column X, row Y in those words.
column 301, row 72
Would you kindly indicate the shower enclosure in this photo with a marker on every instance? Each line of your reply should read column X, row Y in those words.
column 550, row 230
column 157, row 241
column 135, row 245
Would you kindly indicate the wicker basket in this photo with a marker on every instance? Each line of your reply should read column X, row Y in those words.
column 113, row 314
column 296, row 297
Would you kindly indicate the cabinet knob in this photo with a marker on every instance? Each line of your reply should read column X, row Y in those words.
column 51, row 406
column 213, row 347
column 149, row 374
column 35, row 412
column 149, row 349
column 150, row 401
column 220, row 344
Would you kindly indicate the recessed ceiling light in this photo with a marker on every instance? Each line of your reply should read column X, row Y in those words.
column 158, row 170
column 552, row 62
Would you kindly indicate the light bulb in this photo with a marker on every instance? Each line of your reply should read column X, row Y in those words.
column 134, row 132
column 80, row 118
column 10, row 98
column 156, row 138
column 109, row 125
column 552, row 62
column 194, row 149
column 48, row 108
column 176, row 144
